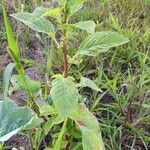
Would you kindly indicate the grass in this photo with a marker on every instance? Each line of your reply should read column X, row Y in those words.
column 123, row 74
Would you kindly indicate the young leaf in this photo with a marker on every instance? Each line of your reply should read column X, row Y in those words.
column 47, row 110
column 13, row 119
column 13, row 48
column 36, row 21
column 91, row 140
column 65, row 96
column 73, row 6
column 88, row 26
column 86, row 82
column 6, row 77
column 56, row 12
column 101, row 42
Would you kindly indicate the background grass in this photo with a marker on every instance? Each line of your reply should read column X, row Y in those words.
column 123, row 73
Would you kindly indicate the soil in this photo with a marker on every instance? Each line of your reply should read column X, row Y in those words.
column 19, row 142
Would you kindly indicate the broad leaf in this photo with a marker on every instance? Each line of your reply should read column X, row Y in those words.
column 85, row 118
column 101, row 42
column 91, row 137
column 36, row 21
column 13, row 119
column 88, row 26
column 86, row 82
column 91, row 140
column 73, row 6
column 65, row 96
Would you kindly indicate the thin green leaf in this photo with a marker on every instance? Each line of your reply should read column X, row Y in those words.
column 6, row 77
column 13, row 48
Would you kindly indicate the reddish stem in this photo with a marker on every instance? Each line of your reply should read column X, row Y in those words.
column 64, row 48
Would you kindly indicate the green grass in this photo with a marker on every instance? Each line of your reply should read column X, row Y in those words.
column 123, row 74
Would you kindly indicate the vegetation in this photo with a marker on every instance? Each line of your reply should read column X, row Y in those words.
column 93, row 75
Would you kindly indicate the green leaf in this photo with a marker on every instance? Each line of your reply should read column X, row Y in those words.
column 18, row 85
column 47, row 110
column 84, row 118
column 73, row 6
column 86, row 82
column 65, row 96
column 56, row 12
column 91, row 137
column 88, row 26
column 51, row 122
column 6, row 77
column 13, row 47
column 13, row 119
column 91, row 140
column 36, row 21
column 101, row 42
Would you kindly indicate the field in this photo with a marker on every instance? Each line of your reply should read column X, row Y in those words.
column 49, row 75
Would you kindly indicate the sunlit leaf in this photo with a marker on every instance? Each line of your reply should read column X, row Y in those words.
column 101, row 42
column 13, row 47
column 86, row 82
column 36, row 20
column 73, row 6
column 88, row 26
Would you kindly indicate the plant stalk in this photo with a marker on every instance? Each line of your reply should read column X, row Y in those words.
column 64, row 47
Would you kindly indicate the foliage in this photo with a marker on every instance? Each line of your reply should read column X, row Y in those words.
column 62, row 91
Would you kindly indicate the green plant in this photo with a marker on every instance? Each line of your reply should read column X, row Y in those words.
column 67, row 108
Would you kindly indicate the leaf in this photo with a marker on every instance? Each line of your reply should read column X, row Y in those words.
column 36, row 21
column 13, row 47
column 91, row 140
column 65, row 96
column 86, row 82
column 6, row 77
column 47, row 110
column 101, row 42
column 85, row 118
column 51, row 122
column 12, row 119
column 56, row 12
column 18, row 85
column 88, row 26
column 91, row 137
column 73, row 6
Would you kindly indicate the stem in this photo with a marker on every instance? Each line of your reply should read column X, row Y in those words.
column 64, row 48
column 58, row 142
